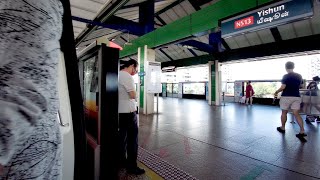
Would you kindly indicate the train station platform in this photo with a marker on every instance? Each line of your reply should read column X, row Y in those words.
column 226, row 142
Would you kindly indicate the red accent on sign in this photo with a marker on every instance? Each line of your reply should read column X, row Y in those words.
column 244, row 22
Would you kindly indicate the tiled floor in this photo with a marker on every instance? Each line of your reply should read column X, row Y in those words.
column 230, row 142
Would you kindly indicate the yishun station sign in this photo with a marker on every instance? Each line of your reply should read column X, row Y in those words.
column 267, row 17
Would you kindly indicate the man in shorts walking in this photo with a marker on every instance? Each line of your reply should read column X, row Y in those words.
column 290, row 98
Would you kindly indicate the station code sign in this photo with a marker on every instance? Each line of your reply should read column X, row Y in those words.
column 269, row 16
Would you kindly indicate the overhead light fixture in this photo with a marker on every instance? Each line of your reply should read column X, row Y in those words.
column 188, row 47
column 168, row 69
column 128, row 43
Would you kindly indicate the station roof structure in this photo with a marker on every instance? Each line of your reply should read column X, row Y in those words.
column 186, row 29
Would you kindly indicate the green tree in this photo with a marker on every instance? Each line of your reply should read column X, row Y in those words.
column 264, row 89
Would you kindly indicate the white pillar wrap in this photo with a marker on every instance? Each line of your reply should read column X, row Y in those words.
column 149, row 56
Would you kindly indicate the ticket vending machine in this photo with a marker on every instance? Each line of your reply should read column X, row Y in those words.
column 98, row 70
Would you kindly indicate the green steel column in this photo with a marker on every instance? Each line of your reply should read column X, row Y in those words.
column 164, row 90
column 141, row 69
column 213, row 82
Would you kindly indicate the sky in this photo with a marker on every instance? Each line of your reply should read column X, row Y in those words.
column 272, row 69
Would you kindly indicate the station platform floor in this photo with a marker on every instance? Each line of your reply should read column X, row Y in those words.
column 227, row 142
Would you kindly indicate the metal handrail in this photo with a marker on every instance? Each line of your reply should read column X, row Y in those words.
column 309, row 96
column 60, row 121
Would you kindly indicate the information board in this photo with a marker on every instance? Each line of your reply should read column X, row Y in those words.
column 153, row 77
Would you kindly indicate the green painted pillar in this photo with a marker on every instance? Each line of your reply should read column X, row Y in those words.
column 146, row 100
column 164, row 90
column 141, row 78
column 214, row 83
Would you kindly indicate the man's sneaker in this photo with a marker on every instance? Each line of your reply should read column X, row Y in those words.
column 281, row 130
column 136, row 171
column 301, row 135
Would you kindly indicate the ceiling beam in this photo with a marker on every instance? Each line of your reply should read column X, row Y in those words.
column 195, row 4
column 276, row 34
column 125, row 25
column 161, row 20
column 116, row 23
column 301, row 44
column 107, row 12
column 198, row 3
column 194, row 23
column 155, row 23
column 225, row 44
column 125, row 40
column 168, row 7
column 298, row 45
column 146, row 16
column 198, row 45
column 192, row 52
column 160, row 49
column 138, row 4
column 215, row 41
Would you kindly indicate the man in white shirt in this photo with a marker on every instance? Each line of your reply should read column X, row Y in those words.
column 128, row 128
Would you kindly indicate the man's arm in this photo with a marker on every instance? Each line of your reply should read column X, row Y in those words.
column 301, row 83
column 283, row 86
column 132, row 94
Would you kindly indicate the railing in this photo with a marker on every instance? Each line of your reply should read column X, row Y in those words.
column 60, row 121
column 310, row 102
column 186, row 90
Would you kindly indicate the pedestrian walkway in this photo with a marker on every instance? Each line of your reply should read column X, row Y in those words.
column 229, row 142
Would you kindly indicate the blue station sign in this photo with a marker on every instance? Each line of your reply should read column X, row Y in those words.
column 141, row 73
column 267, row 17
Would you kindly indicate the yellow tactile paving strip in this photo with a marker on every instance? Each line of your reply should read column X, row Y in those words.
column 149, row 175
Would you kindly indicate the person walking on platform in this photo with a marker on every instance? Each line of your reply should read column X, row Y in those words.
column 128, row 128
column 315, row 100
column 249, row 93
column 290, row 98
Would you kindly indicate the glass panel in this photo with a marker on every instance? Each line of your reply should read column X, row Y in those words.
column 265, row 89
column 228, row 88
column 90, row 93
column 308, row 66
column 164, row 88
column 175, row 89
column 194, row 88
column 169, row 88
